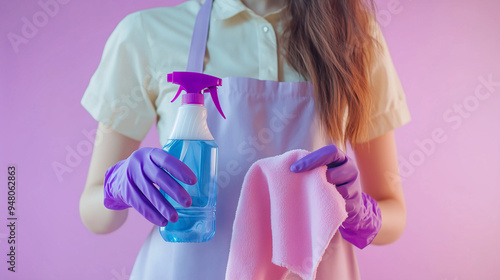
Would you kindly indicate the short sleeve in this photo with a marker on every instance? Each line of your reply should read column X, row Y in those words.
column 389, row 108
column 121, row 93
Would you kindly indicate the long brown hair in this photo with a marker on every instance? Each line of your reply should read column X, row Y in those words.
column 330, row 42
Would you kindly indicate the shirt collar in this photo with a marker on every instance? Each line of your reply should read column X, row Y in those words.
column 224, row 9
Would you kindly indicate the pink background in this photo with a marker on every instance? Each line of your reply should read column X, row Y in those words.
column 452, row 184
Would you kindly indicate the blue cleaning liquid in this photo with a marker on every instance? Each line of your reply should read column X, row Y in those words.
column 197, row 222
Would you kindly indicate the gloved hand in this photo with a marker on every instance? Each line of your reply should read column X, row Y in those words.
column 129, row 183
column 363, row 214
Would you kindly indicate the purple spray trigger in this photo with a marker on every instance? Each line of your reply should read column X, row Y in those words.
column 215, row 98
column 193, row 83
column 178, row 93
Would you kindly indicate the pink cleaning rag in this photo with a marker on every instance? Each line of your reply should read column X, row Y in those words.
column 284, row 220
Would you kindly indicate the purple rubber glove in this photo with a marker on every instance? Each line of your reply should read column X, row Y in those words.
column 129, row 183
column 363, row 214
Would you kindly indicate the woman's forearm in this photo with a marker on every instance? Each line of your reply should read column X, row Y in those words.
column 393, row 221
column 375, row 160
column 95, row 216
column 110, row 147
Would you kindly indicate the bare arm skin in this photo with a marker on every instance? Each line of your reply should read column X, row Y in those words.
column 110, row 147
column 375, row 163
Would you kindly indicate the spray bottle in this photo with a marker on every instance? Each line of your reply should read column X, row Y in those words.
column 192, row 143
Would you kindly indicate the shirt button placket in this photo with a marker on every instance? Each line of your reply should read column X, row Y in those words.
column 268, row 57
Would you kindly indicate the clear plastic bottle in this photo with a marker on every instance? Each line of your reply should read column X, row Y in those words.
column 197, row 222
column 192, row 143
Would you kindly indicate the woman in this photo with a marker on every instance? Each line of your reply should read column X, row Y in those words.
column 308, row 74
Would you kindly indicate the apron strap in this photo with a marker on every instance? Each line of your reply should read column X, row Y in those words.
column 199, row 38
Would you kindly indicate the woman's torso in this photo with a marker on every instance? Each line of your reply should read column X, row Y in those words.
column 264, row 118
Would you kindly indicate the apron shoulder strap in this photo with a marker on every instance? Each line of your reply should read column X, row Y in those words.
column 199, row 38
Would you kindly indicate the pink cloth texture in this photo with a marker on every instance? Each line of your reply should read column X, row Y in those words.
column 284, row 221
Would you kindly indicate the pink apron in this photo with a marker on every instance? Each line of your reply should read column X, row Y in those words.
column 263, row 119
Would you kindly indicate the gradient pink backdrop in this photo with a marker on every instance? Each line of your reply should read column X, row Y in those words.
column 440, row 49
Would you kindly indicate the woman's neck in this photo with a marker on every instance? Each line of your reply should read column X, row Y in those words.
column 264, row 7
